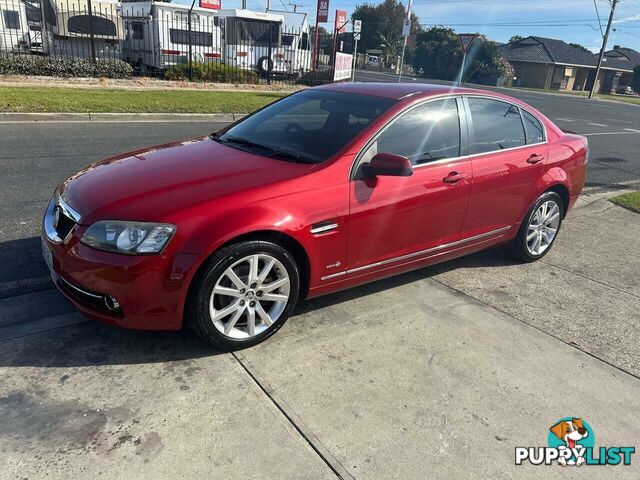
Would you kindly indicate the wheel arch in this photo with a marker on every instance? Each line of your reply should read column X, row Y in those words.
column 293, row 246
column 563, row 192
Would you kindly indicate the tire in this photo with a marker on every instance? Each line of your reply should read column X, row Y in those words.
column 223, row 317
column 262, row 68
column 525, row 250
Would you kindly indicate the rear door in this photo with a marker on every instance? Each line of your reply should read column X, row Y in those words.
column 507, row 162
column 399, row 219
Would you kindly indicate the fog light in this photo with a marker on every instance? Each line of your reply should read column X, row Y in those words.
column 111, row 303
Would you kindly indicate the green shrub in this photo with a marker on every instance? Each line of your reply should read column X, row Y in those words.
column 211, row 72
column 11, row 64
column 317, row 77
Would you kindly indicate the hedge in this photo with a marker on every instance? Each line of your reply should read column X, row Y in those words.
column 11, row 64
column 316, row 77
column 211, row 72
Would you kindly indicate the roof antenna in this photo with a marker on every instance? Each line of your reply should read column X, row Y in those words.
column 295, row 6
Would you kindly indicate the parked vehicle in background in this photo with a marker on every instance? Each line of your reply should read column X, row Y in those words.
column 296, row 43
column 323, row 190
column 626, row 90
column 157, row 34
column 14, row 27
column 41, row 17
column 252, row 40
column 75, row 29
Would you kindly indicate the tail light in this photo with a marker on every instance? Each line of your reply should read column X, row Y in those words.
column 212, row 55
column 170, row 52
column 241, row 54
column 279, row 55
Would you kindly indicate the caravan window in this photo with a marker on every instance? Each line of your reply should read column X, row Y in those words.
column 11, row 19
column 181, row 37
column 137, row 30
column 252, row 32
column 99, row 25
column 287, row 39
column 304, row 44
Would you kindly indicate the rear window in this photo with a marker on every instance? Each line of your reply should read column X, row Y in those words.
column 533, row 128
column 496, row 125
column 314, row 123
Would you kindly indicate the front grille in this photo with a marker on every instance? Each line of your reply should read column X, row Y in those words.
column 89, row 299
column 64, row 226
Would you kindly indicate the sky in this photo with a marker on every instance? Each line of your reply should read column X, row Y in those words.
column 573, row 21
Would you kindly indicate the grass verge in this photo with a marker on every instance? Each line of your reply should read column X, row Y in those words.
column 112, row 100
column 630, row 201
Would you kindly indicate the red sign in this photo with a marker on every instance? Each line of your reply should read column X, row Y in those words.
column 341, row 21
column 322, row 13
column 466, row 39
column 211, row 4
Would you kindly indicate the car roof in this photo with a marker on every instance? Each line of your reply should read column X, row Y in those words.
column 399, row 91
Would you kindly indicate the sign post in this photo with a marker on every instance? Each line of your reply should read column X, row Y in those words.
column 466, row 39
column 357, row 28
column 338, row 27
column 322, row 15
column 406, row 31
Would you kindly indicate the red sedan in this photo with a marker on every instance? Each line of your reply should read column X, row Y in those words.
column 325, row 189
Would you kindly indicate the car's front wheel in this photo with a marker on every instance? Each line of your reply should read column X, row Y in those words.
column 539, row 229
column 244, row 294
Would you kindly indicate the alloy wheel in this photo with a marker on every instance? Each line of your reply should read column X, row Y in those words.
column 543, row 227
column 249, row 296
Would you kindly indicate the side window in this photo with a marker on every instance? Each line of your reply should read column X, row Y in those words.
column 137, row 31
column 533, row 127
column 497, row 125
column 11, row 19
column 424, row 134
column 304, row 45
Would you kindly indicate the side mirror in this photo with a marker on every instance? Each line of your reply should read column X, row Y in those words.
column 388, row 164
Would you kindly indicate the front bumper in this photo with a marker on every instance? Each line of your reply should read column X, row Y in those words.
column 151, row 290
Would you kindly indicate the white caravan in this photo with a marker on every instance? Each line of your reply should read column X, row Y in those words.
column 247, row 37
column 296, row 42
column 14, row 28
column 157, row 34
column 74, row 28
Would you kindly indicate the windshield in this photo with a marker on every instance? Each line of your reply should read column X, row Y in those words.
column 312, row 125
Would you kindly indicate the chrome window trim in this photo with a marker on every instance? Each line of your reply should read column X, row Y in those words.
column 445, row 246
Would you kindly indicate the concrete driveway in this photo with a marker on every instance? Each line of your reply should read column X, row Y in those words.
column 439, row 373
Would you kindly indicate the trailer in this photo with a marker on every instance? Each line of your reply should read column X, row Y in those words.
column 157, row 34
column 14, row 28
column 296, row 42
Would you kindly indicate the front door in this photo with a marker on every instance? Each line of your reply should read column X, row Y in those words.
column 395, row 217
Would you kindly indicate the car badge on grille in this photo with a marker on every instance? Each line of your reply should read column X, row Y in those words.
column 56, row 216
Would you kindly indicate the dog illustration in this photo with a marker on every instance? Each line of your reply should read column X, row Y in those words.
column 570, row 432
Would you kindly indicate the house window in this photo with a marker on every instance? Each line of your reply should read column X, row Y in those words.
column 137, row 31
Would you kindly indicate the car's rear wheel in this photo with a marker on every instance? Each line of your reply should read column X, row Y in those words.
column 244, row 294
column 540, row 228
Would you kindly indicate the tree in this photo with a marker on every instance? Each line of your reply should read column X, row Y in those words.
column 382, row 20
column 635, row 81
column 516, row 38
column 391, row 48
column 437, row 54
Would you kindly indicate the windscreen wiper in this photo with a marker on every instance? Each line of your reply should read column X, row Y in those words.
column 272, row 152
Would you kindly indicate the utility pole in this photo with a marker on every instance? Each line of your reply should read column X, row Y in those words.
column 604, row 46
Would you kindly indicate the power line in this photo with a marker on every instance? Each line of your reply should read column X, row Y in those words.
column 595, row 4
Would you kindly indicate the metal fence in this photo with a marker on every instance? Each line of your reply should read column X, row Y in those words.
column 169, row 40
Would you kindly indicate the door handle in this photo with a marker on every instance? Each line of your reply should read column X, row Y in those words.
column 454, row 177
column 534, row 158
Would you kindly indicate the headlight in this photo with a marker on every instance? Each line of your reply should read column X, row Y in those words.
column 128, row 237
